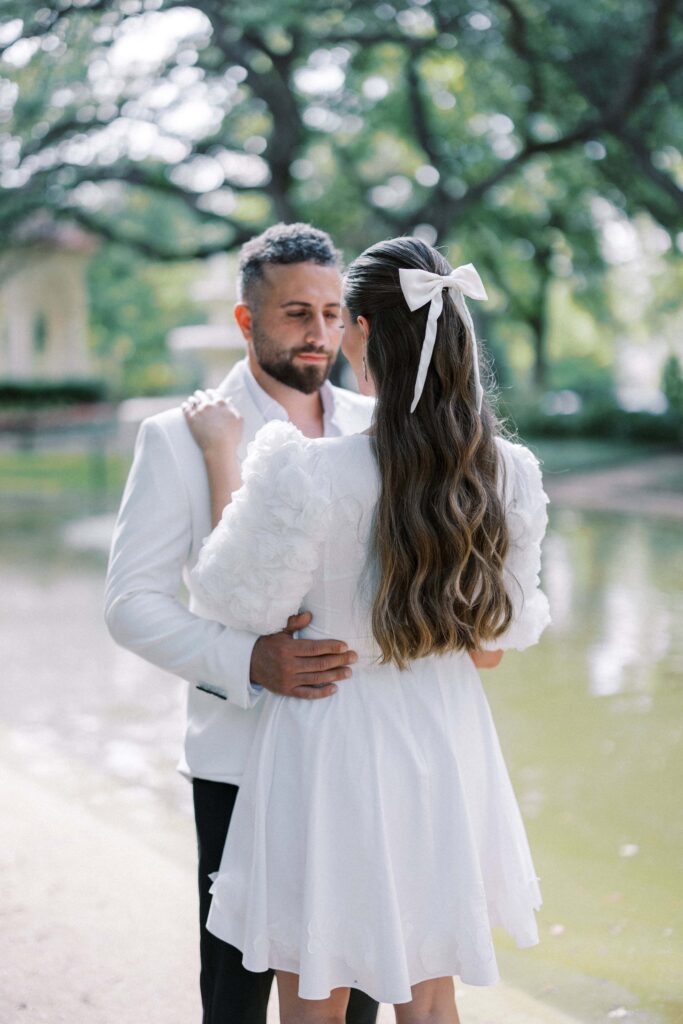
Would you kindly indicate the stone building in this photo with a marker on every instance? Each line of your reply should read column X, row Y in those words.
column 44, row 305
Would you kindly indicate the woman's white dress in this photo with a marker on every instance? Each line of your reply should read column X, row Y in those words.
column 376, row 838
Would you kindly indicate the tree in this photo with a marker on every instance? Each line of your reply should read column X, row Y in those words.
column 504, row 122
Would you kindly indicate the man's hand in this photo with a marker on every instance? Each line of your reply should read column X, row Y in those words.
column 307, row 669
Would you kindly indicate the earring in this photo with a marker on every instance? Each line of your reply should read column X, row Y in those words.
column 365, row 369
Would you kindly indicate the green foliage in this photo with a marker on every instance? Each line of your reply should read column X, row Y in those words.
column 585, row 375
column 134, row 304
column 492, row 130
column 39, row 393
column 598, row 417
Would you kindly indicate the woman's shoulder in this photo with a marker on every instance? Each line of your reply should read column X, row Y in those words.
column 512, row 449
column 523, row 479
column 515, row 454
column 279, row 443
column 344, row 444
column 278, row 434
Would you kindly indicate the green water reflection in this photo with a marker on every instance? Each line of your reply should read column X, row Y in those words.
column 590, row 722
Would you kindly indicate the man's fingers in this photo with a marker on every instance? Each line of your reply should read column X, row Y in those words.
column 304, row 669
column 313, row 692
column 325, row 662
column 323, row 678
column 319, row 648
column 295, row 622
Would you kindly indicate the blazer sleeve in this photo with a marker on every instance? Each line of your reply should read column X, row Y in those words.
column 527, row 519
column 258, row 564
column 151, row 544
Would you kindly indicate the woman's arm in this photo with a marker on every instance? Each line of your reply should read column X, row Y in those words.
column 217, row 428
column 258, row 564
column 486, row 659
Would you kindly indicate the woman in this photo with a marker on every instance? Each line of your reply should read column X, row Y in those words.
column 376, row 837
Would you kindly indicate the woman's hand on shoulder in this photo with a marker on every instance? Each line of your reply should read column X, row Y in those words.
column 217, row 427
column 214, row 422
column 486, row 659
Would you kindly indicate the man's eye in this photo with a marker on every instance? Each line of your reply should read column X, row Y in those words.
column 296, row 316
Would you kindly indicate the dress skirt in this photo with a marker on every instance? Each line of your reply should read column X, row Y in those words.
column 376, row 839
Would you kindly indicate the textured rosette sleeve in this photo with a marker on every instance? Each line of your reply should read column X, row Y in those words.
column 527, row 519
column 258, row 563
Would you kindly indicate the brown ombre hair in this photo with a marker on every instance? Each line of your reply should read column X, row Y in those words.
column 439, row 534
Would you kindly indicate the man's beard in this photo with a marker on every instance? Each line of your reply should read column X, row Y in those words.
column 279, row 363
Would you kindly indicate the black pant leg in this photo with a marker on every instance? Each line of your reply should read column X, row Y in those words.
column 230, row 993
column 361, row 1009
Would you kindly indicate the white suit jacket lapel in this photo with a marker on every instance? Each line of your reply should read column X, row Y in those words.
column 234, row 386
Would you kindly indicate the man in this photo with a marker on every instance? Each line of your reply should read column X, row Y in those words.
column 289, row 314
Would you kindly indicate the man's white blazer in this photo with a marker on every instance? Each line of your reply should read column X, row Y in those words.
column 164, row 518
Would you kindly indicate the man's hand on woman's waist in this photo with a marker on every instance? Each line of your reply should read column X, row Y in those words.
column 293, row 667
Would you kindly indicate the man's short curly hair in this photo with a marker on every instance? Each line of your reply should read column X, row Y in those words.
column 283, row 243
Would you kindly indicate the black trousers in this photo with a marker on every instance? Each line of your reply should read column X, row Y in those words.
column 230, row 993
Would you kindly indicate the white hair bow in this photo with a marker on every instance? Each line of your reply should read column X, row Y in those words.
column 420, row 287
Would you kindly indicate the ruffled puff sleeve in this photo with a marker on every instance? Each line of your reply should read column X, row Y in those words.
column 527, row 519
column 258, row 563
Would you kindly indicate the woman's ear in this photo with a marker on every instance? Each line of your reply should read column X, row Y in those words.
column 364, row 325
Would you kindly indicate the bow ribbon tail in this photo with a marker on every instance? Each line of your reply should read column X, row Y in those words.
column 427, row 347
column 461, row 306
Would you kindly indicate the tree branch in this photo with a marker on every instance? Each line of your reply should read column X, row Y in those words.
column 640, row 74
column 518, row 37
column 475, row 192
column 147, row 247
column 418, row 110
column 643, row 157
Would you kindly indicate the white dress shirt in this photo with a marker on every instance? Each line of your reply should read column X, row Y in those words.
column 272, row 410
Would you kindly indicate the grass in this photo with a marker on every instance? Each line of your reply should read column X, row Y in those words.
column 54, row 475
column 44, row 489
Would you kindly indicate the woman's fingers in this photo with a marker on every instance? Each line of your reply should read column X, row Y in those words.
column 214, row 421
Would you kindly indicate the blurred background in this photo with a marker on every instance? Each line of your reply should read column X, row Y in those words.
column 141, row 143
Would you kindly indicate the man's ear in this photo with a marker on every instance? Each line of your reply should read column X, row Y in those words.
column 244, row 320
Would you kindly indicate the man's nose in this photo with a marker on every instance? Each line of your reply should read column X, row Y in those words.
column 317, row 329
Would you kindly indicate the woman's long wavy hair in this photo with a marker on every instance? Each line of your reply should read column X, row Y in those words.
column 439, row 534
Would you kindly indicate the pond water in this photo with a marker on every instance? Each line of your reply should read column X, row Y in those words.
column 591, row 723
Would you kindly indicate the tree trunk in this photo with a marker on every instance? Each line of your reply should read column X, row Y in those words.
column 540, row 367
column 539, row 322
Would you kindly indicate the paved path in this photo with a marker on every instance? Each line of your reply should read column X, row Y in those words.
column 98, row 927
